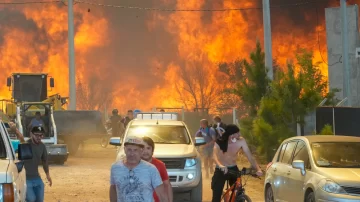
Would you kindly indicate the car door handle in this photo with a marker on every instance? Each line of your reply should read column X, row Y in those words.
column 275, row 169
column 288, row 173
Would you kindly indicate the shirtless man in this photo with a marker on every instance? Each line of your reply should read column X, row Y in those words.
column 225, row 153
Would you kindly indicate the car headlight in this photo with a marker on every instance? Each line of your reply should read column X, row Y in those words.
column 190, row 162
column 331, row 186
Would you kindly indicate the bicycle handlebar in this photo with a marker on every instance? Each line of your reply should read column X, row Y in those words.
column 244, row 171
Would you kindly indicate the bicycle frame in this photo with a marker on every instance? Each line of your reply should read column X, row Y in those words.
column 233, row 191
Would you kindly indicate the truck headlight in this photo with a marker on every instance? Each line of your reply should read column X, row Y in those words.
column 190, row 162
column 331, row 186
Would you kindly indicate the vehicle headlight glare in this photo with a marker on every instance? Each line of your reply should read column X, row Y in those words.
column 330, row 186
column 190, row 162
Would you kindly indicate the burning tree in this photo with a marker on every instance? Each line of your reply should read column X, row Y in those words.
column 197, row 87
column 92, row 95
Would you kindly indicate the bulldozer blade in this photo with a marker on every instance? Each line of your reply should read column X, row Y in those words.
column 79, row 123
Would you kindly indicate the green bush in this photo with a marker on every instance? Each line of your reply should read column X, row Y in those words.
column 327, row 130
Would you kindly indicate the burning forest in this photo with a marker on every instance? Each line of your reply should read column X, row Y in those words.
column 132, row 58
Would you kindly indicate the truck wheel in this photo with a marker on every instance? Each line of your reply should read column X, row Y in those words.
column 196, row 193
column 60, row 162
column 73, row 147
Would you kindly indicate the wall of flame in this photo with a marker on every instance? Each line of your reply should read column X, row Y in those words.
column 136, row 55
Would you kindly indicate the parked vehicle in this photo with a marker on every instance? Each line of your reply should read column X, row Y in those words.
column 315, row 168
column 12, row 172
column 174, row 146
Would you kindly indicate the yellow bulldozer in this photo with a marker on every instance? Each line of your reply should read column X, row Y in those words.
column 65, row 129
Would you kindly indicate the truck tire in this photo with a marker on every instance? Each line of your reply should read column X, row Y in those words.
column 196, row 193
column 73, row 147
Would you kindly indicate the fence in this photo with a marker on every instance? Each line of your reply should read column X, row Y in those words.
column 344, row 120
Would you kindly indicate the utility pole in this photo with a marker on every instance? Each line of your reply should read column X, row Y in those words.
column 267, row 39
column 345, row 53
column 72, row 84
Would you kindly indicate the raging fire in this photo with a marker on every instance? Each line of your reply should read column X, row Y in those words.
column 195, row 42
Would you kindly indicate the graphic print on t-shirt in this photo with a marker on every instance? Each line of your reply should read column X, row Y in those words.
column 132, row 189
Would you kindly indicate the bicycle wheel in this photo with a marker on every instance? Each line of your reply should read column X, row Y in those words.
column 243, row 198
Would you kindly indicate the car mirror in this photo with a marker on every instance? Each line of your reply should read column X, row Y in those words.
column 116, row 141
column 25, row 152
column 199, row 141
column 299, row 164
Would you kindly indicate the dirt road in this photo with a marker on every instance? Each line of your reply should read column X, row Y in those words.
column 85, row 178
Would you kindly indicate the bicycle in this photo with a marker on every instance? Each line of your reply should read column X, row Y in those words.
column 236, row 193
column 106, row 138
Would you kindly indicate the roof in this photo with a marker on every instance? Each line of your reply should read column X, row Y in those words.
column 29, row 74
column 154, row 122
column 326, row 138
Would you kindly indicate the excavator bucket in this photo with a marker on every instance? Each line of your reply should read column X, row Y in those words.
column 87, row 123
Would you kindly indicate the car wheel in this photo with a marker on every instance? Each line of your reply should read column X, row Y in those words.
column 310, row 197
column 196, row 193
column 269, row 195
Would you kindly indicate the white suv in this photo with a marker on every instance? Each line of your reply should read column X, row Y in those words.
column 12, row 174
column 175, row 147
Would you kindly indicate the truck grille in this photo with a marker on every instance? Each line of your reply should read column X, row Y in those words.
column 174, row 163
column 172, row 178
column 352, row 190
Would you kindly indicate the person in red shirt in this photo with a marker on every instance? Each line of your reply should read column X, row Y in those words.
column 148, row 152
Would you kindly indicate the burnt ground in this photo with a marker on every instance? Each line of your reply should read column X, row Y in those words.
column 85, row 178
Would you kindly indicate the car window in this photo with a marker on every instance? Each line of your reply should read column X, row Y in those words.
column 2, row 146
column 281, row 152
column 301, row 153
column 336, row 154
column 288, row 152
column 161, row 134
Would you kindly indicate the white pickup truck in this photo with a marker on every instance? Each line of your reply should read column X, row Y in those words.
column 12, row 172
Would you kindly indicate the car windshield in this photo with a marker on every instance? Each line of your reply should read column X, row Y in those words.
column 336, row 154
column 2, row 145
column 161, row 134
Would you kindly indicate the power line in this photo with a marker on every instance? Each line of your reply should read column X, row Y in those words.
column 193, row 10
column 29, row 2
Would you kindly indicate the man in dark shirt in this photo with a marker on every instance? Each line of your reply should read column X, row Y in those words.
column 128, row 118
column 115, row 120
column 34, row 183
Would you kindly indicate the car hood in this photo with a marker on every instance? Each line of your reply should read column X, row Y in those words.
column 174, row 150
column 342, row 176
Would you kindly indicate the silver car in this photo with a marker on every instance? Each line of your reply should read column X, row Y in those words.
column 315, row 168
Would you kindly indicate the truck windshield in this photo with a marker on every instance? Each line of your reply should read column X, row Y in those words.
column 336, row 154
column 161, row 134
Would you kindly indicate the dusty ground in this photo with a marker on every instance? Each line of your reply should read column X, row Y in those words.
column 85, row 178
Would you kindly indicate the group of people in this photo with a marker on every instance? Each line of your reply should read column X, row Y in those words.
column 139, row 176
column 223, row 143
column 117, row 123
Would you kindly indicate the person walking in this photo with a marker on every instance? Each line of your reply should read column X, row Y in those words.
column 133, row 179
column 147, row 155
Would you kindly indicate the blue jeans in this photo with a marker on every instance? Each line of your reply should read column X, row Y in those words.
column 35, row 190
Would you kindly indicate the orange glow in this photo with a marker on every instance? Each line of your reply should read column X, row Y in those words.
column 202, row 39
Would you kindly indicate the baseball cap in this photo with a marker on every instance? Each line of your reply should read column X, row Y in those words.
column 38, row 129
column 133, row 140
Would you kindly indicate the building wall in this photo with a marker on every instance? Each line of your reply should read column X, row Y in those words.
column 334, row 47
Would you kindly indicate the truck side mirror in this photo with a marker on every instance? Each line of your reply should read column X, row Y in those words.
column 52, row 83
column 8, row 82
